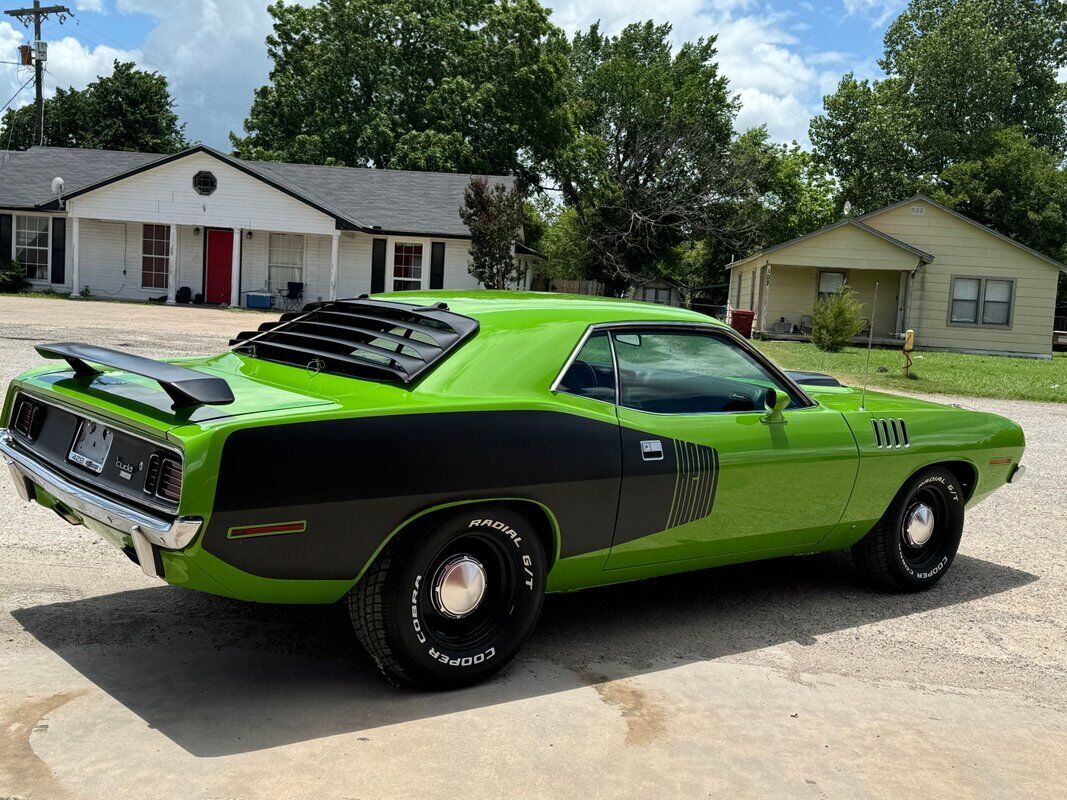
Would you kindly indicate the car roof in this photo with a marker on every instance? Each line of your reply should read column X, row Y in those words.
column 508, row 309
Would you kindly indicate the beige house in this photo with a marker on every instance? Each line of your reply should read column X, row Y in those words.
column 958, row 284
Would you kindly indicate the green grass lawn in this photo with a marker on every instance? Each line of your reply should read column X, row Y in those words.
column 936, row 373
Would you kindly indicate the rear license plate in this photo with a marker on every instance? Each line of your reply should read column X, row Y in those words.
column 92, row 443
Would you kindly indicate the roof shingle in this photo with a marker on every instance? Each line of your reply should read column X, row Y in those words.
column 393, row 201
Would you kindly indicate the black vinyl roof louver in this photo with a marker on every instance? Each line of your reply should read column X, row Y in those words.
column 376, row 339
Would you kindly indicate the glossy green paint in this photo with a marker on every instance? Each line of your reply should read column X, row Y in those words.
column 760, row 470
column 814, row 482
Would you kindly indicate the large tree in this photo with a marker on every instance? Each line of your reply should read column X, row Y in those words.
column 465, row 85
column 972, row 111
column 131, row 109
column 651, row 163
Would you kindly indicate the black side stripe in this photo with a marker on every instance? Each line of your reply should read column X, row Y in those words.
column 696, row 480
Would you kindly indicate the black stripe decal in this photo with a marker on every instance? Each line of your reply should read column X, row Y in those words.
column 696, row 481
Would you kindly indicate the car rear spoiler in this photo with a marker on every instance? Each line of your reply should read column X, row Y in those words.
column 186, row 387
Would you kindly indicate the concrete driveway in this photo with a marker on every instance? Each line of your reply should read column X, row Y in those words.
column 786, row 678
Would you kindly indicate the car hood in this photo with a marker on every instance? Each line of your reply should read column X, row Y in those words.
column 847, row 399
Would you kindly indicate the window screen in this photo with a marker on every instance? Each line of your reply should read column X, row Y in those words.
column 155, row 256
column 407, row 266
column 285, row 261
column 830, row 282
column 32, row 246
column 996, row 309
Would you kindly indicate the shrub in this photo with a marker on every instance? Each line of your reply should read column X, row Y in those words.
column 835, row 319
column 12, row 276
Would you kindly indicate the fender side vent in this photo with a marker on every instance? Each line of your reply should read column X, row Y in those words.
column 890, row 433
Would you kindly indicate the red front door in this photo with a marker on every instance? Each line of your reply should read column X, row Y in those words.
column 219, row 265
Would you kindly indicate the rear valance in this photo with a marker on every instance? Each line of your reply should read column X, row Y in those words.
column 186, row 387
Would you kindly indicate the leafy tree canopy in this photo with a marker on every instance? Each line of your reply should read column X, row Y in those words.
column 474, row 86
column 651, row 158
column 972, row 112
column 958, row 72
column 131, row 109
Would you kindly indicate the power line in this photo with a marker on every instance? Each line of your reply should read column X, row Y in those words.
column 16, row 94
column 38, row 14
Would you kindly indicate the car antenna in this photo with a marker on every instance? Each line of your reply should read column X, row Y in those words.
column 870, row 342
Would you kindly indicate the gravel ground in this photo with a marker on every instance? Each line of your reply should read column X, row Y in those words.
column 784, row 678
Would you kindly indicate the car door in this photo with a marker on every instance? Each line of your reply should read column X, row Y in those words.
column 705, row 473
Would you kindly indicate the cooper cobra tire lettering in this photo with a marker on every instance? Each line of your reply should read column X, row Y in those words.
column 885, row 556
column 398, row 612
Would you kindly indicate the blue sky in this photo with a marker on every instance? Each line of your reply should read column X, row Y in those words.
column 781, row 57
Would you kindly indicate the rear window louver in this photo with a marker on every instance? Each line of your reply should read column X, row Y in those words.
column 890, row 433
column 374, row 339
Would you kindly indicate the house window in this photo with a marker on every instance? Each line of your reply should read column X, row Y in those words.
column 407, row 266
column 204, row 183
column 155, row 256
column 285, row 260
column 830, row 283
column 33, row 246
column 981, row 301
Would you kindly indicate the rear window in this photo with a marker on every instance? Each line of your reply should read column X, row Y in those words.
column 371, row 339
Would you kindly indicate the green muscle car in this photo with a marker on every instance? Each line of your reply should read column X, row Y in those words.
column 440, row 460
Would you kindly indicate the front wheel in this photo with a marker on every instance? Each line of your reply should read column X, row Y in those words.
column 913, row 544
column 448, row 606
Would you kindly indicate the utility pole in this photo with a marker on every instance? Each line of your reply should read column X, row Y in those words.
column 37, row 13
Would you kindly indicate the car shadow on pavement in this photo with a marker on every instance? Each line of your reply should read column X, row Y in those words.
column 220, row 677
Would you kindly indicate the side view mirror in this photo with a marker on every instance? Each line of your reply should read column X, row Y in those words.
column 775, row 402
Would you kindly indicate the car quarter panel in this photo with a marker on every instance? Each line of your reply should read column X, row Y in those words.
column 346, row 484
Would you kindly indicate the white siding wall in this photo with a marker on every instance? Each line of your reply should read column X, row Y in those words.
column 353, row 270
column 190, row 255
column 165, row 194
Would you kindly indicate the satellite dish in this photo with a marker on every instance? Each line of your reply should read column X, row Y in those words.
column 57, row 186
column 848, row 205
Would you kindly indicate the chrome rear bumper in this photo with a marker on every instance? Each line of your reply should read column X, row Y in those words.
column 144, row 529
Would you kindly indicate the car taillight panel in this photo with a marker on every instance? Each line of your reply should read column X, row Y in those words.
column 163, row 477
column 28, row 418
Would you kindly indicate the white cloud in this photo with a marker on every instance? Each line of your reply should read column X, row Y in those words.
column 70, row 63
column 879, row 12
column 90, row 5
column 214, row 54
column 779, row 83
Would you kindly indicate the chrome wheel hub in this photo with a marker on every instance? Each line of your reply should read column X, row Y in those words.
column 459, row 586
column 919, row 525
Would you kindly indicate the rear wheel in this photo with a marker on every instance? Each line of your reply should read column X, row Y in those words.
column 448, row 606
column 913, row 545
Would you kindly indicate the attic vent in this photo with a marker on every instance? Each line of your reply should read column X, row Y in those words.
column 890, row 433
column 917, row 211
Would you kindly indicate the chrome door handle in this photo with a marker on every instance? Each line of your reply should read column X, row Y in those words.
column 652, row 450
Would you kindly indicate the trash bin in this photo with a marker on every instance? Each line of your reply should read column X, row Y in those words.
column 741, row 321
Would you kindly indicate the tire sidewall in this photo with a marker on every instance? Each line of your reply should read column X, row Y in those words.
column 435, row 664
column 948, row 486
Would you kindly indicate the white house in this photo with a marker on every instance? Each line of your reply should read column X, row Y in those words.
column 143, row 225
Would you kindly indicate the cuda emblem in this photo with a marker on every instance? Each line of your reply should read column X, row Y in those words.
column 127, row 469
